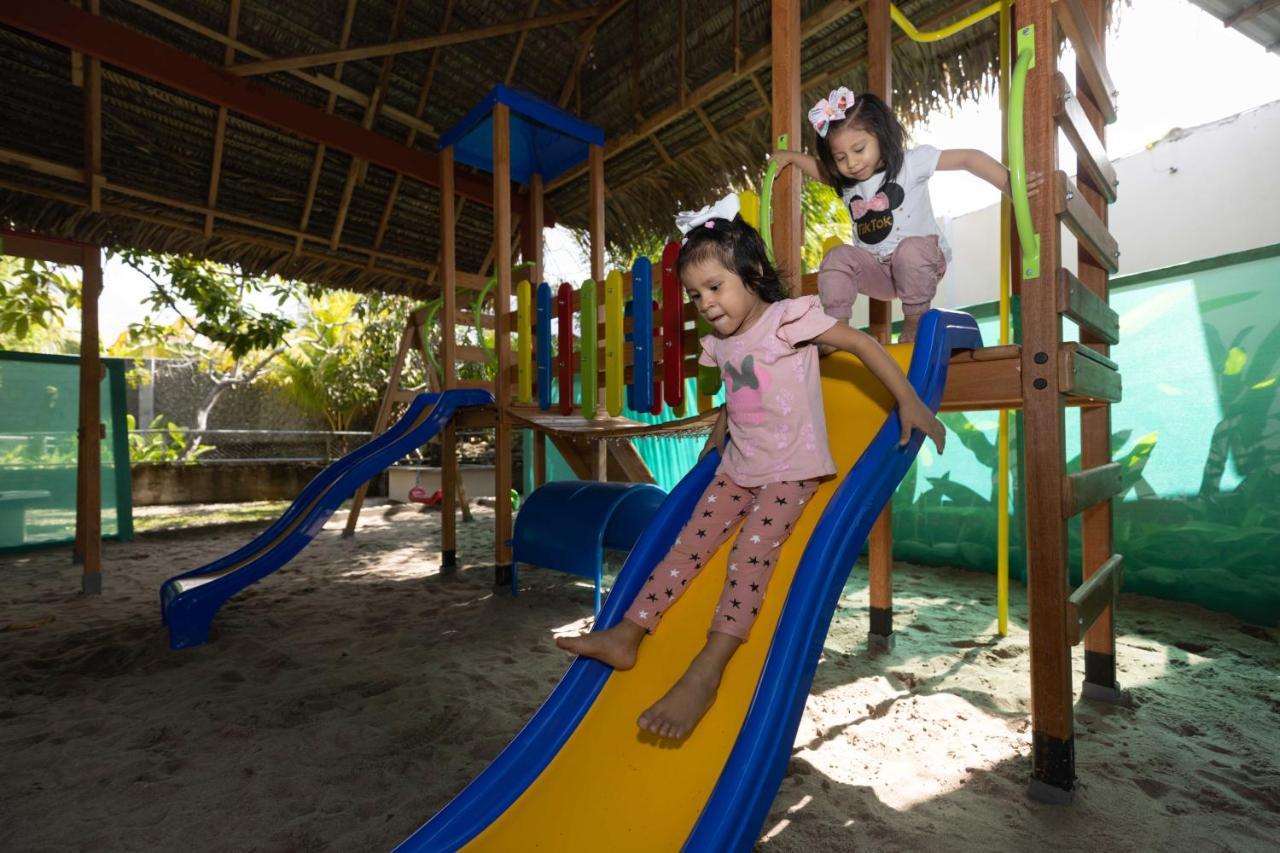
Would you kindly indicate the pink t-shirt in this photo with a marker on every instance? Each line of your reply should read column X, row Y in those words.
column 777, row 427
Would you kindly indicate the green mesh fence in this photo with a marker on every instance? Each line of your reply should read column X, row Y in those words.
column 1196, row 434
column 38, row 447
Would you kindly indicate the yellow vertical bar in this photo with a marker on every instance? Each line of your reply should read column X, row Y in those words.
column 524, row 341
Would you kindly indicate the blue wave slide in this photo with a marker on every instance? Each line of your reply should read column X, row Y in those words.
column 188, row 602
column 581, row 775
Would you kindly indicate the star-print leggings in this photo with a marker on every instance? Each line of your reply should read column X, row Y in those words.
column 767, row 514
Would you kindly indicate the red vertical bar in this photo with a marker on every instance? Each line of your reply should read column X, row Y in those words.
column 564, row 352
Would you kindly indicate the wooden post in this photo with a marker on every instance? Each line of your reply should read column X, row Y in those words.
column 788, row 231
column 502, row 387
column 532, row 251
column 596, row 189
column 383, row 420
column 449, row 474
column 1053, row 740
column 880, row 548
column 89, row 472
column 1095, row 428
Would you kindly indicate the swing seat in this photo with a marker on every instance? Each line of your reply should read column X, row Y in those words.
column 567, row 525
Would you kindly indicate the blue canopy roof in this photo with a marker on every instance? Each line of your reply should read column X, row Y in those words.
column 545, row 139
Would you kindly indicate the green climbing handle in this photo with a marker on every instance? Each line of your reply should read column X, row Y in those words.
column 766, row 199
column 1029, row 240
column 478, row 306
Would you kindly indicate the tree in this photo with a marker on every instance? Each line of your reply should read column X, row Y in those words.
column 34, row 300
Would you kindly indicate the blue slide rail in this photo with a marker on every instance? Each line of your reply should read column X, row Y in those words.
column 189, row 601
column 739, row 803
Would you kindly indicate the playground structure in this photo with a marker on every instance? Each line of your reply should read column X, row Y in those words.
column 1040, row 374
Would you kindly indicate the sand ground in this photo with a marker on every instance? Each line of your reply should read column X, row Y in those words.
column 349, row 696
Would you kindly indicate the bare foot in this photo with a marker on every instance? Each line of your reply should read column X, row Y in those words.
column 678, row 712
column 675, row 714
column 909, row 326
column 615, row 646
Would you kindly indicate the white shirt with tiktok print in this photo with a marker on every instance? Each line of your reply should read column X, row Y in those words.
column 777, row 426
column 883, row 216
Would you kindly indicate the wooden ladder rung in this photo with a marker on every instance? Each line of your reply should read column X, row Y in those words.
column 1089, row 229
column 470, row 354
column 1095, row 167
column 1074, row 23
column 1086, row 309
column 402, row 395
column 1083, row 490
column 463, row 317
column 1087, row 373
column 1092, row 597
column 470, row 280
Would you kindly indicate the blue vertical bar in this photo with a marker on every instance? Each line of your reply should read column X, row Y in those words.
column 642, row 335
column 544, row 346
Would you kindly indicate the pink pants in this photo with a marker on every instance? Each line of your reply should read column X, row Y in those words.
column 910, row 274
column 769, row 512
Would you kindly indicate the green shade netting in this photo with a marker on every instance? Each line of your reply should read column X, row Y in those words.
column 39, row 419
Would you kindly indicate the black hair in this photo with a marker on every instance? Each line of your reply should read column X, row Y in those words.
column 738, row 247
column 874, row 116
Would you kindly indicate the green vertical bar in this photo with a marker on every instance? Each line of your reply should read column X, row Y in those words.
column 589, row 318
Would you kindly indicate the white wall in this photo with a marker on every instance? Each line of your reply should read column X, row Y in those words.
column 1197, row 193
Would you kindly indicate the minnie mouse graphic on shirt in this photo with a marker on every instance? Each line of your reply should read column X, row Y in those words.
column 873, row 217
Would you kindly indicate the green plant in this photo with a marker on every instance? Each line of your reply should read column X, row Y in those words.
column 162, row 441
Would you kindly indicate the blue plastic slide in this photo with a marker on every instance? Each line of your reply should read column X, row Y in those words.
column 188, row 602
column 581, row 776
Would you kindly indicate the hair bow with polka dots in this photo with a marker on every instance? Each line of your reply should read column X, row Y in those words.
column 831, row 108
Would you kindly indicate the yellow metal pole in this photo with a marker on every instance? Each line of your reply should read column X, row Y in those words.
column 1002, row 487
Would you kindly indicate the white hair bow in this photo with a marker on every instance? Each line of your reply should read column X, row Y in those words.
column 725, row 208
column 831, row 108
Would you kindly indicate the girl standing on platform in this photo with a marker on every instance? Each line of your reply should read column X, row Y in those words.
column 898, row 251
column 774, row 461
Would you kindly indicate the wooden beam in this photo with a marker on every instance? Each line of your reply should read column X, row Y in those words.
column 1097, row 523
column 1250, row 12
column 1091, row 486
column 595, row 158
column 320, row 81
column 737, row 37
column 1072, row 19
column 764, row 96
column 1093, row 598
column 662, row 152
column 1086, row 373
column 706, row 122
column 393, row 195
column 317, row 160
column 89, row 466
column 1094, row 166
column 413, row 281
column 682, row 37
column 1083, row 222
column 880, row 547
column 268, row 66
column 524, row 34
column 502, row 389
column 120, row 46
column 1044, row 431
column 356, row 167
column 828, row 14
column 93, row 126
column 1091, row 313
column 220, row 125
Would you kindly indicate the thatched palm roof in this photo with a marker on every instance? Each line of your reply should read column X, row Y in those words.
column 618, row 70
